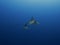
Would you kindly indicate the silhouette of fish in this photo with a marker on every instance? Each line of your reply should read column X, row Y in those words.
column 31, row 21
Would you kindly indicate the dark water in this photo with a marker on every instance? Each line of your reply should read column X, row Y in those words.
column 14, row 14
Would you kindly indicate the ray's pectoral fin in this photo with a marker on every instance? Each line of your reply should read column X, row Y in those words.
column 36, row 22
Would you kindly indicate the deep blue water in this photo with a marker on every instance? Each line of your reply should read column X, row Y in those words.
column 15, row 13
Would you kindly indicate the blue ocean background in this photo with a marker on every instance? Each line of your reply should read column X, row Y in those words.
column 15, row 13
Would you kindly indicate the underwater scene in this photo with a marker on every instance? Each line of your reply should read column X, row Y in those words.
column 29, row 22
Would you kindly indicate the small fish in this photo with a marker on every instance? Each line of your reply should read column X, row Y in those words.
column 32, row 21
column 25, row 26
